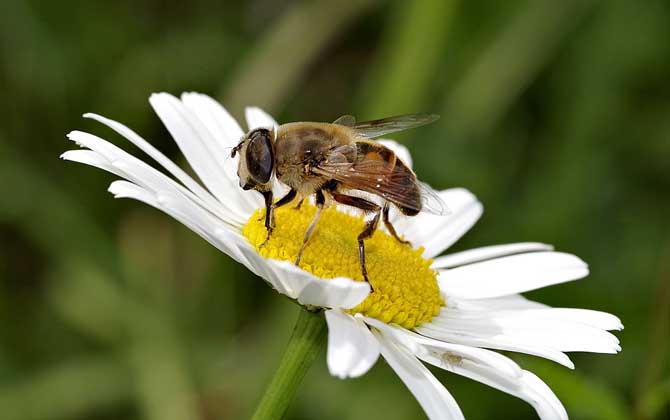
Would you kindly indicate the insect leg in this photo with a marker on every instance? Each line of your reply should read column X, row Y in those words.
column 370, row 225
column 369, row 230
column 297, row 206
column 389, row 226
column 320, row 200
column 285, row 199
column 359, row 203
column 269, row 216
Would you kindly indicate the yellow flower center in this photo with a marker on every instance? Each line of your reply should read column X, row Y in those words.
column 405, row 287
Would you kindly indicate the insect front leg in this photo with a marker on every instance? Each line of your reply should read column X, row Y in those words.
column 389, row 226
column 370, row 225
column 269, row 216
column 320, row 201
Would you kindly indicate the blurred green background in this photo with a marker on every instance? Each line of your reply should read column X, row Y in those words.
column 555, row 113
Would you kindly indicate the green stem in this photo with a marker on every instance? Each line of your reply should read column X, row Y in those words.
column 304, row 346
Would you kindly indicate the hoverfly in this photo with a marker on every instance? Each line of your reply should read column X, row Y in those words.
column 333, row 162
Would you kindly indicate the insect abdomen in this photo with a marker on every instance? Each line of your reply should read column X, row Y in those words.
column 400, row 178
column 411, row 189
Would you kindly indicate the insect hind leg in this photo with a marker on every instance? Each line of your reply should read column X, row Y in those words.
column 389, row 226
column 368, row 231
column 370, row 225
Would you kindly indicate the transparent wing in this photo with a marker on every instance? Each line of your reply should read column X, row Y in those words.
column 379, row 178
column 431, row 201
column 377, row 128
column 346, row 120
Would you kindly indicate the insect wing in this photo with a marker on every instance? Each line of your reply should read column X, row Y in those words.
column 377, row 128
column 346, row 120
column 379, row 178
column 431, row 201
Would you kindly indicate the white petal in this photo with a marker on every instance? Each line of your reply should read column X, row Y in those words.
column 545, row 401
column 513, row 274
column 203, row 152
column 493, row 341
column 125, row 189
column 487, row 253
column 519, row 325
column 219, row 122
column 89, row 157
column 486, row 305
column 285, row 277
column 543, row 331
column 401, row 151
column 227, row 133
column 428, row 391
column 117, row 161
column 485, row 366
column 186, row 212
column 419, row 344
column 159, row 157
column 203, row 223
column 257, row 118
column 308, row 289
column 352, row 349
column 541, row 327
column 338, row 292
column 526, row 386
column 271, row 274
column 596, row 319
column 436, row 233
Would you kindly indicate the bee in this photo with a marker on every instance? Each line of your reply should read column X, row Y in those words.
column 335, row 162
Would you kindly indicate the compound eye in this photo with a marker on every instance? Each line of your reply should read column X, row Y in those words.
column 259, row 156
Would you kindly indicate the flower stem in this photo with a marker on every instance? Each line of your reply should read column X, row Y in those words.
column 306, row 341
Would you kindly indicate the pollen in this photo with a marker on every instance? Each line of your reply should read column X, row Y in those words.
column 405, row 290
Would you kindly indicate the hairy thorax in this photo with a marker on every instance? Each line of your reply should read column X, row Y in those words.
column 301, row 146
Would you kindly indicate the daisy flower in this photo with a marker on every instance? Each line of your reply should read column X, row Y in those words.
column 447, row 311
